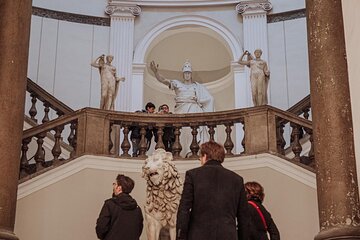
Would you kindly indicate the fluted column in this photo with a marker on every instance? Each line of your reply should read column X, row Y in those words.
column 15, row 17
column 255, row 33
column 122, row 47
column 338, row 194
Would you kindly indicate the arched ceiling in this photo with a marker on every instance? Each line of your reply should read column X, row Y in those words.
column 207, row 51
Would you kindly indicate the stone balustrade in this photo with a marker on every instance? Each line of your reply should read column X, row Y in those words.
column 98, row 132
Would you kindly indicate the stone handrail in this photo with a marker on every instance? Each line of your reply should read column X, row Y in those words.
column 49, row 102
column 97, row 132
column 302, row 107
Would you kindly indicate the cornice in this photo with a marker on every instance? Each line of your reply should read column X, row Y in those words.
column 177, row 3
column 253, row 6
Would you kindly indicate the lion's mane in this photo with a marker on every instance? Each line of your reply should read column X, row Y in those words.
column 162, row 200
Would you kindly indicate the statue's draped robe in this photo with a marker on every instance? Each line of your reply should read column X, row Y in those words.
column 191, row 98
column 259, row 81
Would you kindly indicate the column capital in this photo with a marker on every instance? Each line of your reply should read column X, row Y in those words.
column 115, row 8
column 254, row 6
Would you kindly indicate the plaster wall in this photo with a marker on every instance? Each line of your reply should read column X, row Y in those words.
column 67, row 203
column 83, row 7
column 59, row 59
column 288, row 62
column 351, row 9
column 61, row 52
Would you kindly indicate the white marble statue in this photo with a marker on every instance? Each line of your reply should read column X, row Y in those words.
column 163, row 192
column 259, row 76
column 191, row 97
column 109, row 81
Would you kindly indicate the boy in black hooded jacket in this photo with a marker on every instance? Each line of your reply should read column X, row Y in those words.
column 120, row 217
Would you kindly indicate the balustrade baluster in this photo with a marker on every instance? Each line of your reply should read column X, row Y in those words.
column 177, row 146
column 46, row 110
column 306, row 113
column 143, row 144
column 24, row 164
column 280, row 141
column 59, row 113
column 56, row 151
column 194, row 147
column 296, row 146
column 242, row 121
column 228, row 145
column 212, row 132
column 125, row 145
column 311, row 156
column 72, row 138
column 33, row 110
column 111, row 144
column 160, row 133
column 40, row 152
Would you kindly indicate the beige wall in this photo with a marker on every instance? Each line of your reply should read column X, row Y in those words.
column 351, row 10
column 68, row 208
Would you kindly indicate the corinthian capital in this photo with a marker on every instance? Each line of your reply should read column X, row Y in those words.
column 116, row 8
column 254, row 5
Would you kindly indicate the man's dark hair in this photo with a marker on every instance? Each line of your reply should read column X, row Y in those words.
column 149, row 105
column 126, row 183
column 213, row 151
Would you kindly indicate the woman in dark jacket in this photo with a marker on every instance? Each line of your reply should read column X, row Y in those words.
column 261, row 221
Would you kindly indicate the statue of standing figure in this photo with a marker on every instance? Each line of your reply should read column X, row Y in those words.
column 109, row 81
column 191, row 97
column 259, row 76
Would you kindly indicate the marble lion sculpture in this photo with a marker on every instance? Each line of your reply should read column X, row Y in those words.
column 163, row 193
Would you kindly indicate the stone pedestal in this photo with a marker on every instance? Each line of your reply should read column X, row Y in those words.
column 338, row 194
column 15, row 17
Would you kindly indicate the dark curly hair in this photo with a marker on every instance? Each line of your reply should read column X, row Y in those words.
column 254, row 190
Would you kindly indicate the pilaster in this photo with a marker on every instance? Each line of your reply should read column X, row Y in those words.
column 255, row 32
column 122, row 47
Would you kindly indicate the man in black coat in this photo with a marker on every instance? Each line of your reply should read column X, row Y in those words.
column 213, row 205
column 120, row 217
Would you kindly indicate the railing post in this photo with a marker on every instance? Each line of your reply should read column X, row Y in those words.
column 260, row 131
column 93, row 134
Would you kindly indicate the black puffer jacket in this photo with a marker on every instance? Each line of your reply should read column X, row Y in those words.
column 257, row 228
column 120, row 219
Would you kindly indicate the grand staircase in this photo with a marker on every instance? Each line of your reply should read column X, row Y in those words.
column 70, row 157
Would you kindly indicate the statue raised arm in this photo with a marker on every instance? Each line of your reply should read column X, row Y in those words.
column 190, row 97
column 155, row 69
column 259, row 76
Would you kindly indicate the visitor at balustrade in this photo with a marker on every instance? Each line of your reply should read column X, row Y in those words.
column 213, row 204
column 109, row 81
column 259, row 76
column 191, row 97
column 135, row 135
column 261, row 223
column 168, row 137
column 120, row 216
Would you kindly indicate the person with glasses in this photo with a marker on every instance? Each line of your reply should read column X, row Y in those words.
column 120, row 216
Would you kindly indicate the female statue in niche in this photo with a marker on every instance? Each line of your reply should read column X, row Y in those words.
column 109, row 81
column 259, row 76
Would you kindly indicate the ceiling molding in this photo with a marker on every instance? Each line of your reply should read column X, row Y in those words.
column 177, row 3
